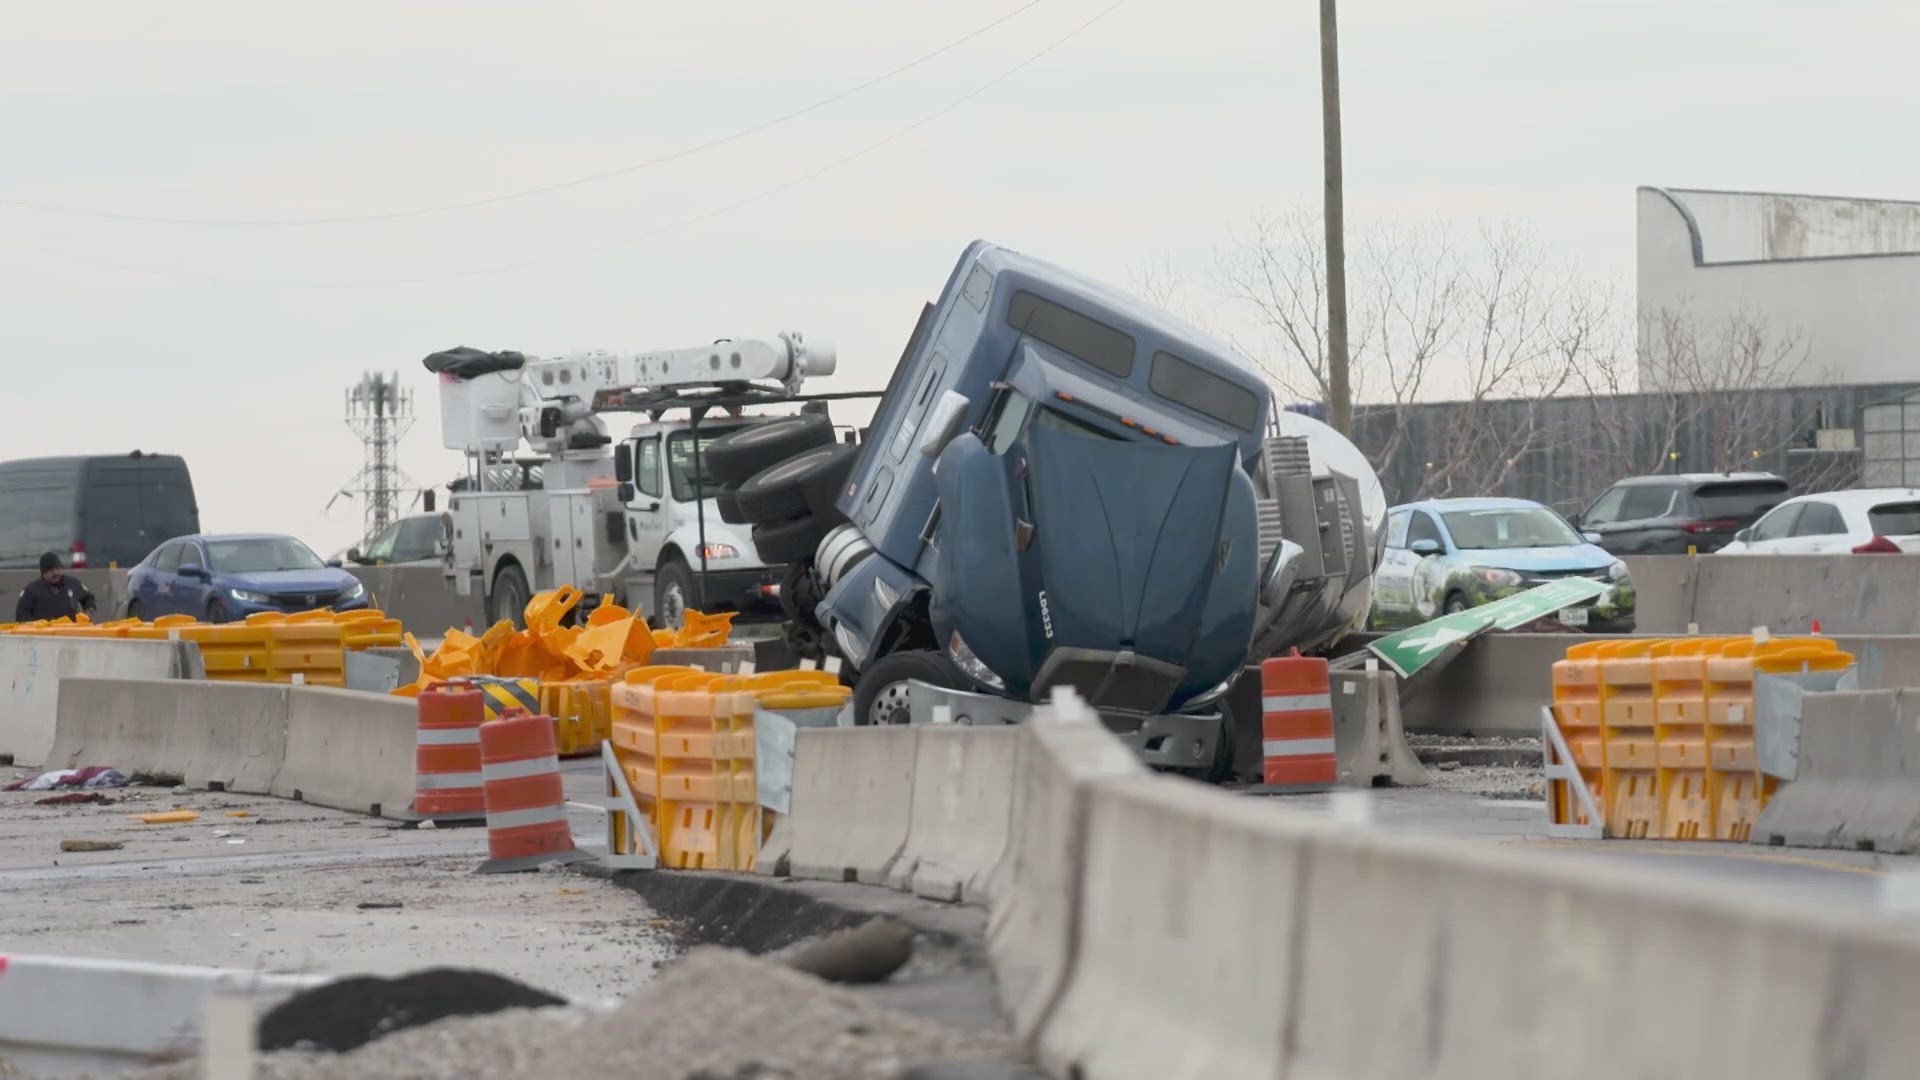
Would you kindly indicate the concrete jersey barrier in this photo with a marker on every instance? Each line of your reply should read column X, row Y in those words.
column 1148, row 928
column 1732, row 594
column 349, row 750
column 32, row 668
column 206, row 733
column 339, row 748
column 961, row 812
column 1857, row 783
column 1368, row 733
column 61, row 1014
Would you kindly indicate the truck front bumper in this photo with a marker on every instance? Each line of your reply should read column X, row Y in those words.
column 1164, row 742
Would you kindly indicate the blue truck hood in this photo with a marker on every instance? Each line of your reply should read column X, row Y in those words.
column 1136, row 547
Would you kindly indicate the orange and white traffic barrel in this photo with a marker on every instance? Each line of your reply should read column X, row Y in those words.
column 526, row 802
column 1296, row 725
column 446, row 756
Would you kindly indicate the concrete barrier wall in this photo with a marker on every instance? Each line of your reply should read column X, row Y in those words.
column 961, row 812
column 207, row 733
column 32, row 668
column 1858, row 780
column 1368, row 731
column 61, row 1015
column 421, row 599
column 1731, row 594
column 852, row 801
column 338, row 748
column 1148, row 928
column 348, row 750
column 1499, row 683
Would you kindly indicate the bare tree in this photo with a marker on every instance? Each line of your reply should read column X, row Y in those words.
column 1698, row 394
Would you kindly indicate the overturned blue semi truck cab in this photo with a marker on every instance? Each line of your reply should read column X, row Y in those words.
column 1056, row 490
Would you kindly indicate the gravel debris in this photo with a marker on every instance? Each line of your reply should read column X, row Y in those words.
column 715, row 1013
column 1492, row 781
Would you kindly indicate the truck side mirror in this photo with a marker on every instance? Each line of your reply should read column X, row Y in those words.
column 623, row 465
column 945, row 421
column 625, row 492
column 426, row 500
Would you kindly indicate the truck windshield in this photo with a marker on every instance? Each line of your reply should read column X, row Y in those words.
column 1509, row 527
column 262, row 555
column 688, row 486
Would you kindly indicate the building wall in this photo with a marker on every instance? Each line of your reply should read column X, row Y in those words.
column 1839, row 276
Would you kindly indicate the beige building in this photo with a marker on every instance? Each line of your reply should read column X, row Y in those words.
column 1837, row 279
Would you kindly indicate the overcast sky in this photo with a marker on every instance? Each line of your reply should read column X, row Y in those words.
column 1152, row 132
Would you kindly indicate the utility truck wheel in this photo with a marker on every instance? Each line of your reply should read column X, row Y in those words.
column 883, row 694
column 674, row 592
column 735, row 458
column 509, row 597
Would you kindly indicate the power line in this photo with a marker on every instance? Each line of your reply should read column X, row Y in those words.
column 524, row 193
column 720, row 211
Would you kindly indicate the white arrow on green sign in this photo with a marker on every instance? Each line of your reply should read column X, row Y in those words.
column 1410, row 650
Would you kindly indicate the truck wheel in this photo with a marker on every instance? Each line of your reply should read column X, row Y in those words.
column 797, row 486
column 674, row 590
column 727, row 501
column 795, row 541
column 799, row 592
column 735, row 458
column 882, row 696
column 509, row 597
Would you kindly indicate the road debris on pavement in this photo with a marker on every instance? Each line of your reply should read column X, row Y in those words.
column 350, row 1013
column 90, row 777
column 75, row 798
column 166, row 817
column 91, row 845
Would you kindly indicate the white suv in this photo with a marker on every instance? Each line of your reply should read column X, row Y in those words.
column 1864, row 522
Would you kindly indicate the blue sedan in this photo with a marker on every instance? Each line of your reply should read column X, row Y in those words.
column 229, row 577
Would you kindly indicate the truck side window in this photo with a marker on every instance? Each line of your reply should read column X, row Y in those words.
column 1008, row 418
column 646, row 468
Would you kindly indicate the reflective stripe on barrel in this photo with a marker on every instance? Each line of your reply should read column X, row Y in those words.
column 1296, row 723
column 446, row 755
column 526, row 802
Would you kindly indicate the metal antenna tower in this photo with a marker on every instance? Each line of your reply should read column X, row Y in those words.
column 380, row 411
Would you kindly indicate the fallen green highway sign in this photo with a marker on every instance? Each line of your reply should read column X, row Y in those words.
column 1412, row 649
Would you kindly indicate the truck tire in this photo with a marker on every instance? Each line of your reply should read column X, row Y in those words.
column 800, row 592
column 735, row 458
column 881, row 694
column 674, row 592
column 807, row 483
column 789, row 542
column 727, row 502
column 509, row 597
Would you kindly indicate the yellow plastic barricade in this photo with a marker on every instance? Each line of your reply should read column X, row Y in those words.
column 636, row 739
column 689, row 815
column 231, row 652
column 582, row 712
column 1632, row 804
column 1680, row 735
column 1576, row 709
column 309, row 644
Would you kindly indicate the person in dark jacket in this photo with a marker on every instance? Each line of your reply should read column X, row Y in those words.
column 52, row 595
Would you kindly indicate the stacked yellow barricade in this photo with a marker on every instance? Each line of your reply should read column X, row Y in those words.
column 684, row 739
column 269, row 647
column 1661, row 731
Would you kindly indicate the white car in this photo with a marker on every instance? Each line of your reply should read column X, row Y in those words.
column 1836, row 522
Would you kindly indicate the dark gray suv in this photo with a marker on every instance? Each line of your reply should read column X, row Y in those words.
column 1679, row 513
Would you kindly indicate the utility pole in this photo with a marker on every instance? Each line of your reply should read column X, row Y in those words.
column 1339, row 391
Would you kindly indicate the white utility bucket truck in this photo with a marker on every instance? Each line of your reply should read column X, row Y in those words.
column 634, row 519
